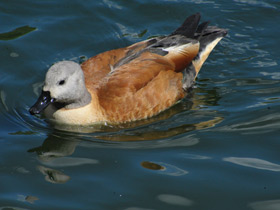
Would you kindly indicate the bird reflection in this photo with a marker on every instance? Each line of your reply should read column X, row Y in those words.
column 54, row 147
column 53, row 176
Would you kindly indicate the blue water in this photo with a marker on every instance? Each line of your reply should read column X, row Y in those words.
column 217, row 149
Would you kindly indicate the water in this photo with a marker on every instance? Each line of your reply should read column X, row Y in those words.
column 217, row 149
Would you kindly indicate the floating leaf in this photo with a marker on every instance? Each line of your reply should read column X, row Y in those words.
column 141, row 34
column 16, row 33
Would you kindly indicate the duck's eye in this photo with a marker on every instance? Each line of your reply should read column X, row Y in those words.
column 61, row 82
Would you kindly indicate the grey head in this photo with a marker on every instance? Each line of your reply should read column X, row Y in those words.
column 64, row 84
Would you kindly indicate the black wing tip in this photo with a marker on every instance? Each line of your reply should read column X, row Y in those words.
column 192, row 29
column 189, row 26
column 221, row 32
column 224, row 32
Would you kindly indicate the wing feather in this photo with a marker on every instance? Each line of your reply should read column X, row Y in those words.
column 98, row 67
column 140, row 89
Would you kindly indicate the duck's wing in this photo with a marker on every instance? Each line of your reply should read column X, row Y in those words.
column 99, row 66
column 141, row 88
column 180, row 48
column 145, row 78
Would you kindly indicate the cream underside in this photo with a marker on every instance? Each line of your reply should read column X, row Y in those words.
column 80, row 116
column 86, row 115
column 204, row 54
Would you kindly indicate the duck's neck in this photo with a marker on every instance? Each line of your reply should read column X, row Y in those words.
column 89, row 114
column 83, row 100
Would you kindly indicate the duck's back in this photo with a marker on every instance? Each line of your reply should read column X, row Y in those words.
column 146, row 78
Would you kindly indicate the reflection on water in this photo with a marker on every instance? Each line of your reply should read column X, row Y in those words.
column 52, row 154
column 195, row 157
column 53, row 176
column 157, row 134
column 66, row 161
column 169, row 200
column 274, row 75
column 253, row 163
column 54, row 147
column 266, row 205
column 164, row 168
column 22, row 170
column 175, row 200
column 30, row 199
column 65, row 145
column 261, row 124
column 137, row 208
column 3, row 98
column 12, row 208
column 256, row 3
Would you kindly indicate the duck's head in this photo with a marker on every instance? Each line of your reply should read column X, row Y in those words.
column 65, row 86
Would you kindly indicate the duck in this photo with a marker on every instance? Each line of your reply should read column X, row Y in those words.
column 130, row 83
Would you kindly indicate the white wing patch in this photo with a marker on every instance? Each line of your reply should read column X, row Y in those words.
column 181, row 49
column 203, row 55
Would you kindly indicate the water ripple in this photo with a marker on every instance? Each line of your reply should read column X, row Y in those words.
column 54, row 176
column 112, row 4
column 256, row 3
column 12, row 208
column 261, row 124
column 164, row 168
column 175, row 200
column 253, row 163
column 136, row 208
column 67, row 161
column 274, row 75
column 266, row 205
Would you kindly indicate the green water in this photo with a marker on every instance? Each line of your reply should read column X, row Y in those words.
column 217, row 149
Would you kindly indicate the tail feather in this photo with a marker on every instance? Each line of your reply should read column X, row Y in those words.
column 208, row 39
column 200, row 29
column 189, row 27
column 188, row 46
column 206, row 36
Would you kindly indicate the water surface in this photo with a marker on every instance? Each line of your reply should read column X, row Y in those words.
column 217, row 149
